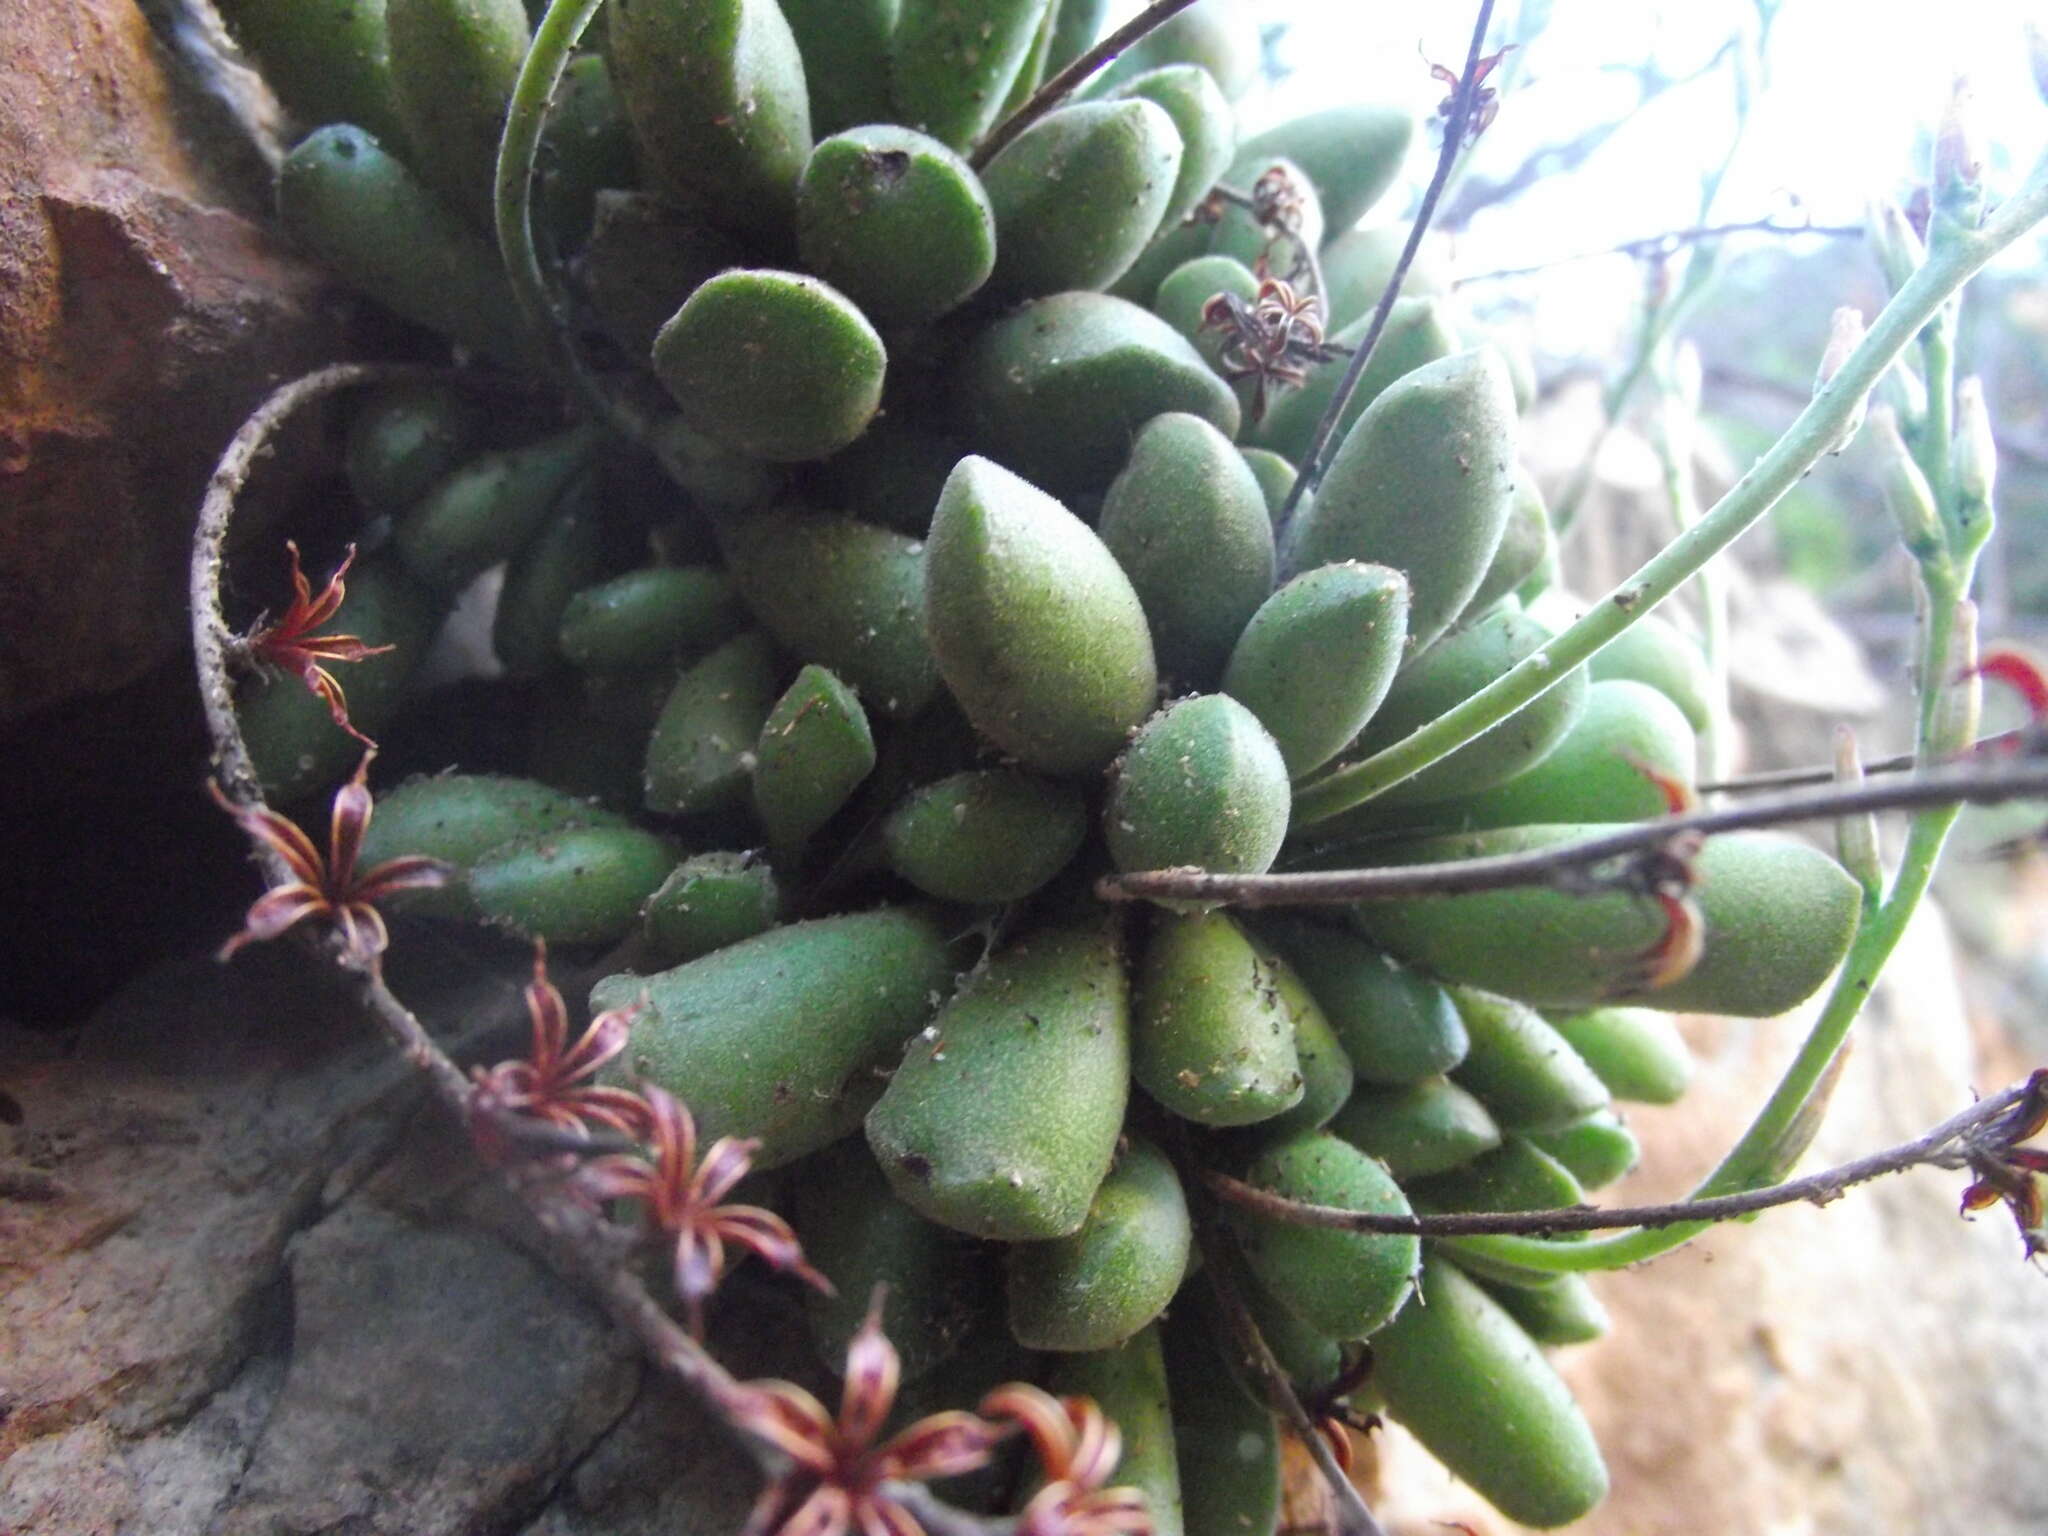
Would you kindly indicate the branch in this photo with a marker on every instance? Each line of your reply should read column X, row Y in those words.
column 1791, row 778
column 1062, row 85
column 1315, row 459
column 1554, row 866
column 1931, row 1150
column 1219, row 1254
column 211, row 638
column 1672, row 240
column 580, row 1244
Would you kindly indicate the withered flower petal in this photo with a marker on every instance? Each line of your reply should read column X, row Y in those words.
column 838, row 1480
column 327, row 887
column 290, row 644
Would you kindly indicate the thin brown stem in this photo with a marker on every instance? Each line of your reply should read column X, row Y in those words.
column 1935, row 1149
column 212, row 642
column 1063, row 84
column 1566, row 865
column 1219, row 1260
column 1792, row 778
column 581, row 1244
column 1315, row 461
column 1667, row 242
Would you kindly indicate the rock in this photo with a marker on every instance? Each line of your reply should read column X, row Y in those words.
column 169, row 1159
column 669, row 1468
column 439, row 1383
column 144, row 309
column 92, row 1479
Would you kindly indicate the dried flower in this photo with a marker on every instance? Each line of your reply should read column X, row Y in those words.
column 838, row 1477
column 1274, row 340
column 682, row 1200
column 291, row 645
column 1278, row 202
column 1485, row 99
column 2009, row 1172
column 1079, row 1449
column 552, row 1084
column 328, row 889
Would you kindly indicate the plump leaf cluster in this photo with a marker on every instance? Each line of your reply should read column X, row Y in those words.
column 949, row 580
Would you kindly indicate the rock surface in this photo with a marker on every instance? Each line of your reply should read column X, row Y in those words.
column 145, row 308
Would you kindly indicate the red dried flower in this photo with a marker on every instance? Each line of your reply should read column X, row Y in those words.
column 838, row 1477
column 552, row 1084
column 328, row 889
column 1486, row 101
column 682, row 1200
column 1079, row 1448
column 2009, row 1172
column 291, row 645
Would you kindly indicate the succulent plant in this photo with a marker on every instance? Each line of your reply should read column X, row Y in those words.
column 963, row 584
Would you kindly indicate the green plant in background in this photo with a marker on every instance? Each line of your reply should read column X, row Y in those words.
column 951, row 596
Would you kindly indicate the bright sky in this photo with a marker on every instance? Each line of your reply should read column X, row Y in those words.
column 1851, row 87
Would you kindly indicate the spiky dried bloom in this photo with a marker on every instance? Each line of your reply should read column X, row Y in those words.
column 328, row 888
column 2011, row 1173
column 682, row 1198
column 1079, row 1448
column 1274, row 340
column 838, row 1476
column 552, row 1084
column 290, row 644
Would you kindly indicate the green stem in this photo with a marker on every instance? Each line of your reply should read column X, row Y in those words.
column 1675, row 446
column 1817, row 428
column 1761, row 1154
column 1937, row 357
column 554, row 41
column 1783, row 1127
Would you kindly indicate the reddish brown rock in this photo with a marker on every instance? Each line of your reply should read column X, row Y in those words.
column 145, row 307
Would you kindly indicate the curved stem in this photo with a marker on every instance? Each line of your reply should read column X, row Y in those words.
column 211, row 639
column 1817, row 428
column 1063, row 84
column 512, row 203
column 1785, row 1125
column 576, row 1237
column 1764, row 1146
